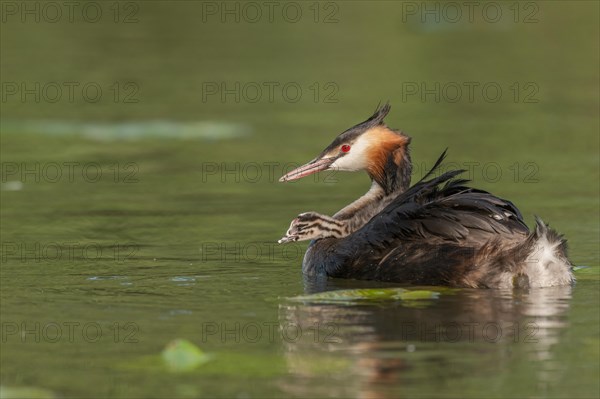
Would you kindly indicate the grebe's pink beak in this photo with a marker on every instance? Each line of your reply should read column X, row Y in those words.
column 314, row 166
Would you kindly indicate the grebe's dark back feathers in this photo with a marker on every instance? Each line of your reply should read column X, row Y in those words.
column 444, row 209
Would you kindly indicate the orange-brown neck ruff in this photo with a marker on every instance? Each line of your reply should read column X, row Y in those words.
column 388, row 153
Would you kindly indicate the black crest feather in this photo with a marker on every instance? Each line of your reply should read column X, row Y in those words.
column 380, row 113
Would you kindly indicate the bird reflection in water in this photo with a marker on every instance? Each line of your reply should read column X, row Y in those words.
column 387, row 349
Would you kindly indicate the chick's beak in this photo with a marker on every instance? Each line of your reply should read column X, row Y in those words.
column 314, row 166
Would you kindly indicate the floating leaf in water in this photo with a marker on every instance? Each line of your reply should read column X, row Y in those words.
column 181, row 355
column 25, row 393
column 368, row 295
column 232, row 363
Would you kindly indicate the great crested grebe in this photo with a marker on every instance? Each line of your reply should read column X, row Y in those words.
column 437, row 232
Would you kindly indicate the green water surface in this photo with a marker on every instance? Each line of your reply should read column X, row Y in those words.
column 151, row 213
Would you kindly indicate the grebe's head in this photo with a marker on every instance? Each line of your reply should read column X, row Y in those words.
column 370, row 146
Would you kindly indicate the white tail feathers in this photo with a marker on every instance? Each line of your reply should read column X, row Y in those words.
column 547, row 264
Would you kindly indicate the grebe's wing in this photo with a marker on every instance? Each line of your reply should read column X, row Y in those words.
column 441, row 210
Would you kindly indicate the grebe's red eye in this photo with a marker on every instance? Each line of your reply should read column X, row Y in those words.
column 345, row 148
